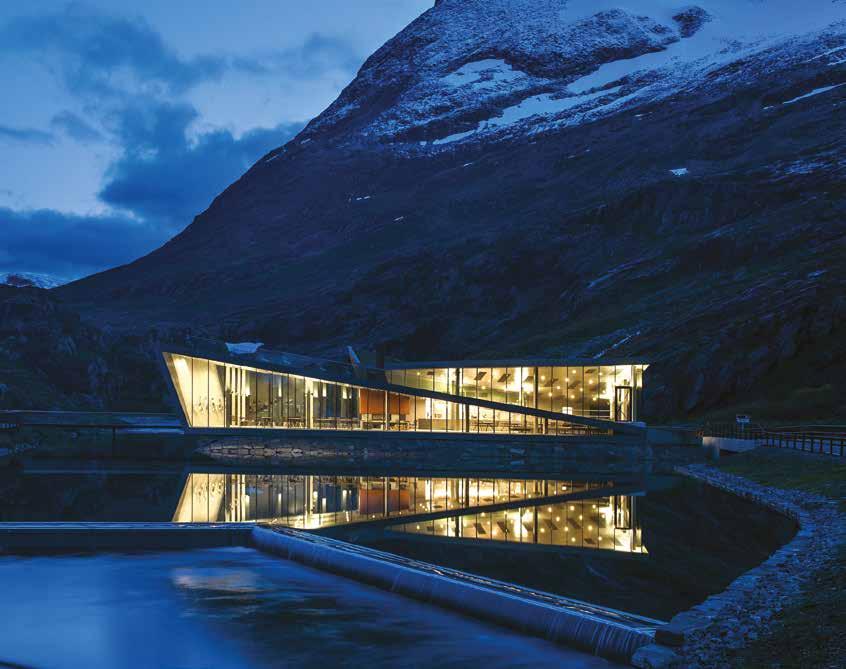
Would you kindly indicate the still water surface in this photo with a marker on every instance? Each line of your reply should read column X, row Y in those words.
column 235, row 607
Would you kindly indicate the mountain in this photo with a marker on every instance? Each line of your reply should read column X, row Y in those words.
column 549, row 177
column 30, row 279
column 51, row 359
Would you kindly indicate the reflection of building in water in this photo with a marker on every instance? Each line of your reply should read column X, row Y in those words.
column 609, row 523
column 308, row 501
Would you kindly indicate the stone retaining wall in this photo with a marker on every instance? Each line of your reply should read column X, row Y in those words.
column 743, row 612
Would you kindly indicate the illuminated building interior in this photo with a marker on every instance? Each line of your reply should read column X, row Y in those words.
column 610, row 392
column 224, row 394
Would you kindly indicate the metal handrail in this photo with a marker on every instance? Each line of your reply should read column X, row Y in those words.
column 809, row 440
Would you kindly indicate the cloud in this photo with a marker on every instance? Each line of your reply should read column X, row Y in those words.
column 132, row 88
column 91, row 50
column 72, row 246
column 165, row 177
column 75, row 127
column 28, row 135
column 103, row 55
column 317, row 55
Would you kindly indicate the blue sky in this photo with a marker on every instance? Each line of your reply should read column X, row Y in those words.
column 121, row 121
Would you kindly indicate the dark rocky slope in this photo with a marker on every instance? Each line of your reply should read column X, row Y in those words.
column 51, row 359
column 690, row 213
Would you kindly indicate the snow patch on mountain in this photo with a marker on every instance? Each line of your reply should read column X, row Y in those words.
column 816, row 91
column 482, row 74
column 31, row 279
column 541, row 105
column 467, row 69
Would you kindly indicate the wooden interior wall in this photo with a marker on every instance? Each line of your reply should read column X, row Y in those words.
column 373, row 402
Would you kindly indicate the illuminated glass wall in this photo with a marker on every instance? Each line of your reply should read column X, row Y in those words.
column 215, row 394
column 610, row 392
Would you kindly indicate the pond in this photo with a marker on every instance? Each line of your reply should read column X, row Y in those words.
column 235, row 607
column 652, row 545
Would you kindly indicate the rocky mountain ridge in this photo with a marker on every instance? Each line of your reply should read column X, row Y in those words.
column 658, row 179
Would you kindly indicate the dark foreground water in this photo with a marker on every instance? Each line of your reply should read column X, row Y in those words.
column 652, row 545
column 235, row 607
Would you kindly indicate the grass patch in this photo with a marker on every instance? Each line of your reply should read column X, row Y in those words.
column 792, row 470
column 812, row 633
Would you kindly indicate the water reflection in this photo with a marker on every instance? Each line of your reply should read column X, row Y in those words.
column 605, row 522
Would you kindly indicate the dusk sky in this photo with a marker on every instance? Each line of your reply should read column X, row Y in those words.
column 121, row 121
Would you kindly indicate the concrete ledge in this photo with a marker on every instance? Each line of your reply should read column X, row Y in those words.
column 729, row 444
column 89, row 537
column 654, row 656
column 614, row 635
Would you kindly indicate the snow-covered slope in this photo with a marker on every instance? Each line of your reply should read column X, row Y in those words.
column 473, row 68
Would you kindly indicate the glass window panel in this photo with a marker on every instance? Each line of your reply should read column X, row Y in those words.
column 179, row 367
column 514, row 385
column 468, row 381
column 441, row 379
column 591, row 392
column 527, row 377
column 558, row 388
column 545, row 388
column 263, row 396
column 484, row 385
column 302, row 399
column 372, row 407
column 499, row 382
column 605, row 391
column 200, row 392
column 217, row 394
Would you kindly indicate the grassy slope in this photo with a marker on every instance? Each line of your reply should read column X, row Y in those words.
column 813, row 632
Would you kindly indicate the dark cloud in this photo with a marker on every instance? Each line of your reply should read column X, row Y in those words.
column 164, row 176
column 93, row 52
column 71, row 246
column 131, row 85
column 163, row 180
column 75, row 127
column 30, row 135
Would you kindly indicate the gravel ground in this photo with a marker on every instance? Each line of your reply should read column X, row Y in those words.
column 778, row 614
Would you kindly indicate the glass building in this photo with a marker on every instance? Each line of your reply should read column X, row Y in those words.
column 226, row 388
column 579, row 388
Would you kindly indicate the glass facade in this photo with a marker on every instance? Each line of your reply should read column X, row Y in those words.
column 609, row 392
column 216, row 394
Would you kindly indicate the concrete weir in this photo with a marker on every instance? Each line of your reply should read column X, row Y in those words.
column 608, row 633
column 612, row 634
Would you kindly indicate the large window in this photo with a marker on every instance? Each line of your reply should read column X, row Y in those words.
column 215, row 394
